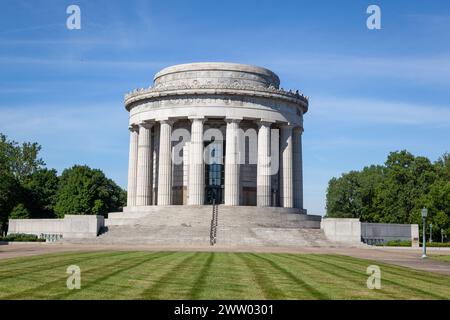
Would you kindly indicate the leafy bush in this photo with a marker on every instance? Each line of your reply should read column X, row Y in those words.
column 437, row 244
column 22, row 237
column 398, row 243
column 83, row 190
column 20, row 212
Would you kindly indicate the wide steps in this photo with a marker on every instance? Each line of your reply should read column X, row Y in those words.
column 191, row 225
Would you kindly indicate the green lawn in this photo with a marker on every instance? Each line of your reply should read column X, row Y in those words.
column 442, row 258
column 203, row 275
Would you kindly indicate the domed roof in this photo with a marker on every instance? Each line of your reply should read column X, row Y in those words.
column 203, row 73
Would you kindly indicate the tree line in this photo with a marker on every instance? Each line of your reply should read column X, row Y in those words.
column 30, row 190
column 395, row 192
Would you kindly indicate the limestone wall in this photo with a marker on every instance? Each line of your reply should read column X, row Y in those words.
column 373, row 233
column 353, row 231
column 36, row 226
column 72, row 226
column 342, row 229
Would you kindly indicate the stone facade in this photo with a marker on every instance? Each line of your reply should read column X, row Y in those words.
column 70, row 227
column 220, row 132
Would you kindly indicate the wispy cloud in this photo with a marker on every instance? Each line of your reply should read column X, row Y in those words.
column 83, row 63
column 429, row 69
column 370, row 111
column 90, row 127
column 92, row 134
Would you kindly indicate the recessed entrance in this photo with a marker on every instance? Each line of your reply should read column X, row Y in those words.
column 214, row 172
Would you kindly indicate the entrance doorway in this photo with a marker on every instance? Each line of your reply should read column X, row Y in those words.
column 214, row 172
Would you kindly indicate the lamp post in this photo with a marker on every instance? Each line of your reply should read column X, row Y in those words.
column 424, row 241
column 442, row 235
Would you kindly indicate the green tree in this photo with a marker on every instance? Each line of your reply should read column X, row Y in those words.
column 18, row 165
column 20, row 212
column 83, row 190
column 40, row 189
column 20, row 160
column 10, row 188
column 343, row 198
column 395, row 192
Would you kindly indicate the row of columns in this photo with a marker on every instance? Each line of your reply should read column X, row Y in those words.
column 141, row 167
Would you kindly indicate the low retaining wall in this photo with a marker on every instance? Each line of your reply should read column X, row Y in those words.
column 380, row 233
column 36, row 226
column 342, row 230
column 72, row 226
column 353, row 231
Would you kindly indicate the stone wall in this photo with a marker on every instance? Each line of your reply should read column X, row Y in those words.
column 353, row 231
column 82, row 226
column 36, row 226
column 342, row 229
column 72, row 226
column 381, row 233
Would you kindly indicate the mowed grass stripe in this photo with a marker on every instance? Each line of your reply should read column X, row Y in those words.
column 429, row 282
column 439, row 282
column 330, row 278
column 228, row 277
column 40, row 274
column 110, row 271
column 59, row 276
column 399, row 281
column 127, row 283
column 200, row 282
column 269, row 288
column 215, row 275
column 173, row 282
column 10, row 262
column 307, row 284
column 341, row 285
column 32, row 268
column 353, row 267
column 441, row 258
column 434, row 278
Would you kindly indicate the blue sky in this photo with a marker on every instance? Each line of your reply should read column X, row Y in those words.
column 371, row 91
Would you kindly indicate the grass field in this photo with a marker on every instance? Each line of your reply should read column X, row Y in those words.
column 441, row 258
column 203, row 275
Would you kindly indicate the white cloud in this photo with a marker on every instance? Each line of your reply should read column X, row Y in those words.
column 369, row 111
column 429, row 69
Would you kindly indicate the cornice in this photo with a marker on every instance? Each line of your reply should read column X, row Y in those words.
column 213, row 89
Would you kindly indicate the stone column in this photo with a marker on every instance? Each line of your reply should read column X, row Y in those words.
column 263, row 179
column 196, row 181
column 155, row 163
column 232, row 165
column 144, row 166
column 132, row 166
column 165, row 164
column 286, row 179
column 298, row 170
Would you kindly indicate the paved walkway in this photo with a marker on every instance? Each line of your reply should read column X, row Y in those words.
column 407, row 257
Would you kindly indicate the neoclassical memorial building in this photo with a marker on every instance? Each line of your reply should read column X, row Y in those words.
column 222, row 132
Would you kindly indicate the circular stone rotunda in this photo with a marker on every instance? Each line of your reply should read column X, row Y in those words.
column 215, row 133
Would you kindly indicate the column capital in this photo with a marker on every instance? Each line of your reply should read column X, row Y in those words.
column 166, row 121
column 287, row 126
column 265, row 123
column 133, row 127
column 232, row 120
column 198, row 118
column 146, row 124
column 297, row 129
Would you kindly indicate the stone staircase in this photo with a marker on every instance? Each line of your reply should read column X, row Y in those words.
column 191, row 225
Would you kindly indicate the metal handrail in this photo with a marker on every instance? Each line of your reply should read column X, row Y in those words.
column 214, row 222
